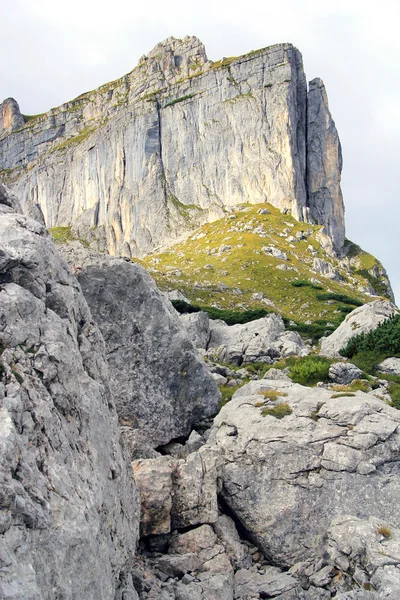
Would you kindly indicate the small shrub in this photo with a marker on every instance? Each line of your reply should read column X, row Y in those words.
column 272, row 394
column 340, row 298
column 384, row 340
column 306, row 283
column 279, row 411
column 309, row 370
column 342, row 395
column 385, row 531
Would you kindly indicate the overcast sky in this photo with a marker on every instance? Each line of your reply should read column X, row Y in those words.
column 53, row 51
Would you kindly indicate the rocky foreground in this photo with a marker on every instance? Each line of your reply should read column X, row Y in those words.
column 289, row 493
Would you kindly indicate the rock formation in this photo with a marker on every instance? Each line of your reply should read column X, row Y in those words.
column 161, row 386
column 361, row 320
column 69, row 508
column 140, row 161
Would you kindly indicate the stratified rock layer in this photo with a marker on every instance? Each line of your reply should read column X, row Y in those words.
column 69, row 513
column 144, row 159
column 161, row 386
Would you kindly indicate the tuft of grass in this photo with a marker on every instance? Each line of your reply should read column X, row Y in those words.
column 385, row 531
column 61, row 234
column 226, row 394
column 181, row 99
column 342, row 395
column 271, row 394
column 309, row 370
column 279, row 411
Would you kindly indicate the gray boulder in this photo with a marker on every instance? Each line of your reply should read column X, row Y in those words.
column 69, row 510
column 361, row 320
column 344, row 373
column 285, row 478
column 197, row 326
column 161, row 386
column 390, row 366
column 260, row 340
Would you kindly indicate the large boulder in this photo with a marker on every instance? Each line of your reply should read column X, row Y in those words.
column 161, row 385
column 390, row 366
column 318, row 455
column 69, row 511
column 260, row 340
column 361, row 320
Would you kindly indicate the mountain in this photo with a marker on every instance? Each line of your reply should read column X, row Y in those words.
column 142, row 161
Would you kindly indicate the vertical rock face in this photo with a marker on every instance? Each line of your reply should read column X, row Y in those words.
column 147, row 158
column 69, row 511
column 10, row 116
column 324, row 165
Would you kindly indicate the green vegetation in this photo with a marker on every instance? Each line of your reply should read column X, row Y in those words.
column 76, row 139
column 181, row 99
column 279, row 411
column 230, row 317
column 215, row 281
column 17, row 376
column 309, row 370
column 342, row 395
column 61, row 235
column 226, row 394
column 271, row 394
column 382, row 342
column 244, row 96
column 305, row 283
column 340, row 298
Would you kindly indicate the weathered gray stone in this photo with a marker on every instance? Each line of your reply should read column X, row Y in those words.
column 342, row 372
column 69, row 510
column 276, row 374
column 285, row 478
column 361, row 320
column 325, row 268
column 177, row 493
column 259, row 340
column 390, row 366
column 161, row 386
column 197, row 326
column 227, row 534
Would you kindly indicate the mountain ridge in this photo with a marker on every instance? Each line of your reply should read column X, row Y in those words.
column 181, row 130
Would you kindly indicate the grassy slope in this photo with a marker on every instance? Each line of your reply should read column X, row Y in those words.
column 247, row 268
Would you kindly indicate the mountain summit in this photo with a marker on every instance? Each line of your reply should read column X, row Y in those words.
column 143, row 160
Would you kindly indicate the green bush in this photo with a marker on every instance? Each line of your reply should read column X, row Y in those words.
column 315, row 331
column 340, row 298
column 227, row 393
column 384, row 341
column 306, row 283
column 231, row 317
column 309, row 370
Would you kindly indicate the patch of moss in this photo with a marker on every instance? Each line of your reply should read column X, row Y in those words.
column 271, row 394
column 181, row 99
column 279, row 411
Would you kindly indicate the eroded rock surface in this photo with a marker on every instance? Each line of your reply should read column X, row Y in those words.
column 106, row 162
column 161, row 386
column 285, row 478
column 69, row 509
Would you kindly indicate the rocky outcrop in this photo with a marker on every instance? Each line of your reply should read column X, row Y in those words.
column 69, row 509
column 10, row 117
column 161, row 386
column 295, row 457
column 390, row 366
column 361, row 320
column 324, row 165
column 262, row 340
column 106, row 162
column 344, row 373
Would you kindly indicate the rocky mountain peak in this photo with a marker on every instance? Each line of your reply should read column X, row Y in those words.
column 10, row 116
column 185, row 55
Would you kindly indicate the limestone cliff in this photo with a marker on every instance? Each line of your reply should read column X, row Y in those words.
column 143, row 160
column 69, row 509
